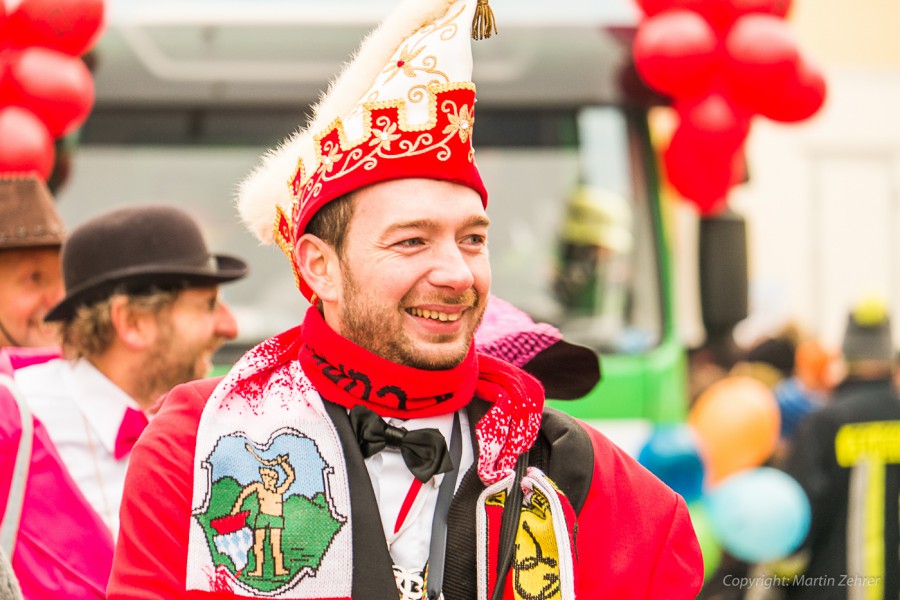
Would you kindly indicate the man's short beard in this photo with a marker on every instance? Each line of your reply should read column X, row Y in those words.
column 376, row 336
column 167, row 364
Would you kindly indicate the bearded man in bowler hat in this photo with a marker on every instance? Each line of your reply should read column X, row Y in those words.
column 424, row 469
column 141, row 314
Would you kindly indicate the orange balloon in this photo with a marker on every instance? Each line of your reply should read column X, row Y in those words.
column 815, row 365
column 737, row 424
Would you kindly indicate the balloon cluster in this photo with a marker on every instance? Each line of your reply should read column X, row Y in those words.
column 722, row 61
column 46, row 90
column 756, row 513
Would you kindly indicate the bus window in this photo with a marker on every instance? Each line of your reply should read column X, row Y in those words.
column 575, row 242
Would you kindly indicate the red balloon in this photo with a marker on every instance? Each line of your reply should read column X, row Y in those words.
column 25, row 143
column 716, row 120
column 6, row 90
column 799, row 99
column 698, row 170
column 779, row 8
column 739, row 167
column 762, row 56
column 676, row 53
column 725, row 14
column 68, row 26
column 56, row 87
column 654, row 7
column 721, row 14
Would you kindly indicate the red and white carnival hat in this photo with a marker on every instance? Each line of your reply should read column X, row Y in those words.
column 402, row 107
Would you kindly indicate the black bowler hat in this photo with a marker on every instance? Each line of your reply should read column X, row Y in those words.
column 135, row 249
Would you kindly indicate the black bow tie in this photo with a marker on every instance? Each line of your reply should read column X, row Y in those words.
column 423, row 450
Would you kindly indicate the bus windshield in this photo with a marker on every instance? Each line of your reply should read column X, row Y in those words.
column 573, row 240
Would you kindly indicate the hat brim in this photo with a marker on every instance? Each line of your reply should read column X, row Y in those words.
column 568, row 371
column 227, row 268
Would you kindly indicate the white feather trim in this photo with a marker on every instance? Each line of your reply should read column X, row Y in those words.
column 268, row 185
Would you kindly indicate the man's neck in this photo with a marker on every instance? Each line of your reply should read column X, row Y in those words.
column 125, row 373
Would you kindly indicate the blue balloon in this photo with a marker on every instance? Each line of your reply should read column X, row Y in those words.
column 671, row 453
column 760, row 514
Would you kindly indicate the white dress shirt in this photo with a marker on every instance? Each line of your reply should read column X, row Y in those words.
column 82, row 411
column 391, row 480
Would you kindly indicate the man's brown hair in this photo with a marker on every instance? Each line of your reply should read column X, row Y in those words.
column 331, row 222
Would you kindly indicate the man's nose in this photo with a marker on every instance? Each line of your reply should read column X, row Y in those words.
column 451, row 269
column 226, row 324
column 54, row 294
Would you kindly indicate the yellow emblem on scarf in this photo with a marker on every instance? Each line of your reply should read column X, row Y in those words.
column 536, row 563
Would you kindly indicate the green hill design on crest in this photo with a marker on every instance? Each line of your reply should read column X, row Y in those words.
column 309, row 530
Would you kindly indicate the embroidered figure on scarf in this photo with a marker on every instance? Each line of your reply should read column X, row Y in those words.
column 270, row 496
column 265, row 526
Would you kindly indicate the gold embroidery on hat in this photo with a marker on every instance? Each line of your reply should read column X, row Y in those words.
column 411, row 51
column 383, row 137
column 337, row 159
column 285, row 241
column 366, row 109
column 380, row 142
column 460, row 121
column 295, row 183
column 404, row 64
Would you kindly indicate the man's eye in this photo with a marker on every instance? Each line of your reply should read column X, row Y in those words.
column 410, row 243
column 476, row 240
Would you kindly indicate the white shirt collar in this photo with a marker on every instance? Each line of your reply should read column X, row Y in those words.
column 101, row 402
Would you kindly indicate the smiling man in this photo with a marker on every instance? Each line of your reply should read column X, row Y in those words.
column 425, row 314
column 31, row 234
column 424, row 468
column 141, row 315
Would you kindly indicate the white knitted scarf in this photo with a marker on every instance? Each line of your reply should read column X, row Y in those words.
column 264, row 435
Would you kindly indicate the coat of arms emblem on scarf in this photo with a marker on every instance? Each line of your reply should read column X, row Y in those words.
column 269, row 518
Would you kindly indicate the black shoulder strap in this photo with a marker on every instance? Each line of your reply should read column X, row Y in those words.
column 565, row 453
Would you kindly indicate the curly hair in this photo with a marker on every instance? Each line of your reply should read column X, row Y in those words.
column 90, row 331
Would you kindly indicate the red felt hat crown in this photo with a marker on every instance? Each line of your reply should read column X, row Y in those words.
column 404, row 107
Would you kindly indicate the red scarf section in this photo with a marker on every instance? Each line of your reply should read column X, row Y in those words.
column 348, row 374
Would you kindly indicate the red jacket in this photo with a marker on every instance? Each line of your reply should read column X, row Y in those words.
column 634, row 537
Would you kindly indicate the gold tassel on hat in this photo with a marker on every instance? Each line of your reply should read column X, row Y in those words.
column 483, row 25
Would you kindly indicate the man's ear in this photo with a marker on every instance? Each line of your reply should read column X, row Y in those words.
column 135, row 329
column 319, row 266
